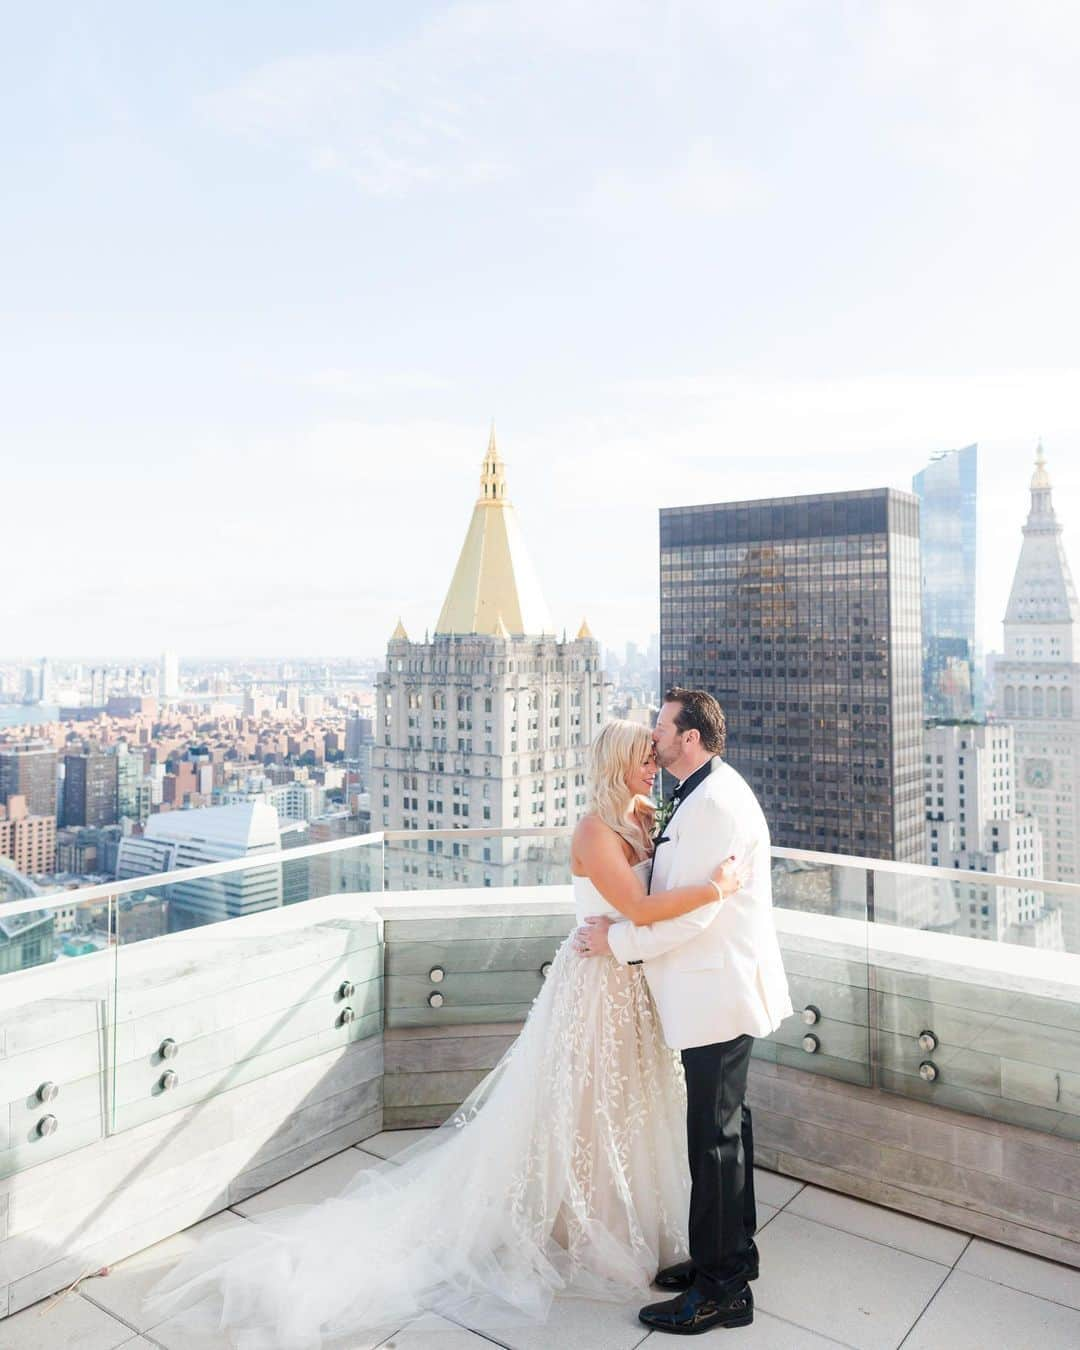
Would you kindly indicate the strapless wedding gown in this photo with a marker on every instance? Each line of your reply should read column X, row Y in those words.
column 564, row 1172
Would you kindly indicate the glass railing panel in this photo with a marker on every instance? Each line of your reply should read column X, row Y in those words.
column 461, row 978
column 463, row 971
column 468, row 969
column 57, row 984
column 821, row 918
column 977, row 997
column 434, row 860
column 225, row 978
column 820, row 909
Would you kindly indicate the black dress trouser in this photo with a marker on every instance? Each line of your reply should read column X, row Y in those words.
column 720, row 1140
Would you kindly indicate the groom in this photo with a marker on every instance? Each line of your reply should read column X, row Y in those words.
column 718, row 981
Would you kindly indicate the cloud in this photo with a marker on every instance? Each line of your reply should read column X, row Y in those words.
column 445, row 105
column 702, row 183
column 389, row 119
column 479, row 93
column 353, row 384
column 850, row 415
column 686, row 110
column 969, row 88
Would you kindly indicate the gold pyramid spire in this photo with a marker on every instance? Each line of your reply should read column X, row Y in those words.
column 399, row 633
column 494, row 590
column 493, row 473
column 584, row 631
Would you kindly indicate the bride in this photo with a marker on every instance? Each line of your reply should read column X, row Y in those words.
column 565, row 1171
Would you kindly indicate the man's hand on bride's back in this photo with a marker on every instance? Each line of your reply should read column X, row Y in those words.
column 727, row 877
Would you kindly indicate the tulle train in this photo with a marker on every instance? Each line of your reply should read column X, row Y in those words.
column 563, row 1173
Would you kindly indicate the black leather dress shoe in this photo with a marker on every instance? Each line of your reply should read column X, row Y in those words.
column 683, row 1275
column 676, row 1278
column 694, row 1312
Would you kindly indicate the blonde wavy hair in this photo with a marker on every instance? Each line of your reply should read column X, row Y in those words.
column 620, row 746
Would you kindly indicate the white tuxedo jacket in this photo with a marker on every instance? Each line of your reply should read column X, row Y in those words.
column 715, row 973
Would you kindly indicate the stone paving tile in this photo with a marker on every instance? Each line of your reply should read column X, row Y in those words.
column 582, row 1324
column 835, row 1271
column 66, row 1321
column 176, row 1335
column 1029, row 1274
column 390, row 1142
column 840, row 1285
column 886, row 1226
column 970, row 1313
column 775, row 1189
column 445, row 1338
column 767, row 1333
column 122, row 1291
column 765, row 1213
column 316, row 1183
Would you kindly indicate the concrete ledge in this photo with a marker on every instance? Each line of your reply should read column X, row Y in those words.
column 998, row 1181
column 97, row 1204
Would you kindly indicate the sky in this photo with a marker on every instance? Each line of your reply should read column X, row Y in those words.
column 270, row 271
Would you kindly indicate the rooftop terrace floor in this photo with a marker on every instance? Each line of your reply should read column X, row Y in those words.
column 834, row 1272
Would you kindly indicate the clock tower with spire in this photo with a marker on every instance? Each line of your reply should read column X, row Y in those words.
column 1037, row 685
column 486, row 725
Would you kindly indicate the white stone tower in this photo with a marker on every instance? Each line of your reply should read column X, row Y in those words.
column 487, row 724
column 1036, row 690
column 972, row 824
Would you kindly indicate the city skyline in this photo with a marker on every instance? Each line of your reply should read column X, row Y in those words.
column 275, row 279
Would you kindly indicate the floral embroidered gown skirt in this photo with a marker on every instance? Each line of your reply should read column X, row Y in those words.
column 563, row 1173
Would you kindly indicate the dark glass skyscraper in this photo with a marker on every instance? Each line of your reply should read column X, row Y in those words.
column 952, row 663
column 30, row 771
column 801, row 614
column 90, row 788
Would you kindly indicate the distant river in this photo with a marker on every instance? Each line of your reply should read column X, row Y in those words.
column 15, row 715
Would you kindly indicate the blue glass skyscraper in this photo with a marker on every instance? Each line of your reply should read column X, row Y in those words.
column 952, row 668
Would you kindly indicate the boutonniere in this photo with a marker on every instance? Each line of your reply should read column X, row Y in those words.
column 663, row 814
